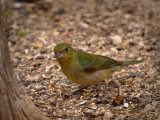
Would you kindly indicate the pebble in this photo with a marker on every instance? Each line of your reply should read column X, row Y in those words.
column 141, row 43
column 37, row 45
column 116, row 39
column 35, row 78
column 126, row 105
column 148, row 107
column 158, row 48
column 114, row 50
column 23, row 12
column 41, row 88
column 17, row 5
column 48, row 69
column 53, row 95
column 49, row 111
column 83, row 25
column 40, row 57
column 13, row 38
column 120, row 49
column 108, row 115
column 93, row 106
column 82, row 103
column 83, row 47
column 61, row 11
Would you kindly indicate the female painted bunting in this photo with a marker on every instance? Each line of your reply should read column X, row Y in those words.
column 86, row 69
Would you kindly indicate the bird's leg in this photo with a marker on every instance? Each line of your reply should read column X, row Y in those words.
column 120, row 98
column 79, row 90
column 117, row 83
column 105, row 89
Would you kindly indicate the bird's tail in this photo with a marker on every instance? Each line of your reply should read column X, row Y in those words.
column 130, row 62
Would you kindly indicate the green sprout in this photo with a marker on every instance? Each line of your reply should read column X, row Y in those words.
column 6, row 14
column 22, row 34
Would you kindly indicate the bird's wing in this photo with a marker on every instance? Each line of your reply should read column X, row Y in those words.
column 91, row 63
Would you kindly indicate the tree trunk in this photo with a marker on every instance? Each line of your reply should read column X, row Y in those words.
column 14, row 102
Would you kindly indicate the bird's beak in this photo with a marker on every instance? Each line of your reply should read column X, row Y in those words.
column 58, row 55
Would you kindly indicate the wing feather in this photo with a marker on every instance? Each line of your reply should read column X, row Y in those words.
column 91, row 63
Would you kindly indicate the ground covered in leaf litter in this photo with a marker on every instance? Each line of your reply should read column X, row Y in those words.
column 122, row 30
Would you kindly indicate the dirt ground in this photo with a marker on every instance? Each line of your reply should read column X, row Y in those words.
column 120, row 29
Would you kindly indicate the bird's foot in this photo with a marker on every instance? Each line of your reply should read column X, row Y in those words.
column 105, row 96
column 80, row 90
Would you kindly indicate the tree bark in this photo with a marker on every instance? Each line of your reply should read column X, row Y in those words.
column 14, row 102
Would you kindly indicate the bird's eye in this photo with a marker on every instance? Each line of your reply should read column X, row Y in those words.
column 66, row 49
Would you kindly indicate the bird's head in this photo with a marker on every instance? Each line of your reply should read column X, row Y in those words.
column 64, row 52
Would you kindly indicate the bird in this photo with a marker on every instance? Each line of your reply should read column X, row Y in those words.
column 87, row 69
